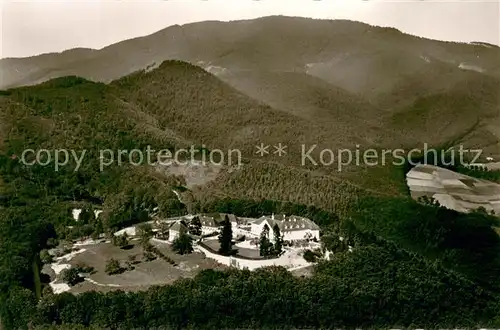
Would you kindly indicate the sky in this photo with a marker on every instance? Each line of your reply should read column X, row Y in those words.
column 32, row 27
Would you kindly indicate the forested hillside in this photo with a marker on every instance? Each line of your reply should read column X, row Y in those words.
column 412, row 265
column 402, row 88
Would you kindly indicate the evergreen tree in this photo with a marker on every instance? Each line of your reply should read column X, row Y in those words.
column 71, row 276
column 226, row 237
column 278, row 241
column 163, row 230
column 113, row 267
column 195, row 226
column 122, row 241
column 183, row 244
column 45, row 257
column 86, row 216
column 264, row 244
column 145, row 232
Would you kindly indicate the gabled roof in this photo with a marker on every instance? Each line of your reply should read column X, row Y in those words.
column 178, row 226
column 286, row 224
column 232, row 218
column 210, row 221
column 217, row 219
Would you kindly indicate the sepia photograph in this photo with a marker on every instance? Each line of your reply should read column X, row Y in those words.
column 249, row 164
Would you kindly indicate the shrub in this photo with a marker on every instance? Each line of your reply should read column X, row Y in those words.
column 113, row 267
column 183, row 244
column 310, row 256
column 45, row 257
column 84, row 268
column 71, row 276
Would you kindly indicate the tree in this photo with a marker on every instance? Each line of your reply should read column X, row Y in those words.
column 481, row 210
column 226, row 237
column 45, row 257
column 183, row 244
column 145, row 232
column 121, row 241
column 163, row 231
column 195, row 226
column 71, row 276
column 98, row 228
column 130, row 262
column 278, row 241
column 86, row 216
column 84, row 268
column 94, row 235
column 52, row 242
column 265, row 245
column 113, row 267
column 47, row 291
column 310, row 256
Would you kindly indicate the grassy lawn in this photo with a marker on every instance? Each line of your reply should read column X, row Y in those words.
column 244, row 252
column 144, row 274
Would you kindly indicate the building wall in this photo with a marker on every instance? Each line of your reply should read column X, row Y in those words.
column 285, row 261
column 76, row 213
column 172, row 234
column 208, row 230
column 257, row 229
column 287, row 235
column 299, row 234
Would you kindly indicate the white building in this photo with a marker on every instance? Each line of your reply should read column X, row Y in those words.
column 292, row 228
column 175, row 230
column 234, row 220
column 76, row 214
column 209, row 224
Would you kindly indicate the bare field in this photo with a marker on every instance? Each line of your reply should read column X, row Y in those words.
column 195, row 173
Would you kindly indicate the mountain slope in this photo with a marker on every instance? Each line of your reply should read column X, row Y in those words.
column 175, row 106
column 270, row 43
column 339, row 73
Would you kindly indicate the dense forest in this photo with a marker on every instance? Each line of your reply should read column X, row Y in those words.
column 389, row 279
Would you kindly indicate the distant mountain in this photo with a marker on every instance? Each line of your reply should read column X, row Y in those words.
column 354, row 55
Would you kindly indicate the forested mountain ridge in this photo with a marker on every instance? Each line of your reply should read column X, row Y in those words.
column 175, row 106
column 321, row 70
column 179, row 104
column 276, row 42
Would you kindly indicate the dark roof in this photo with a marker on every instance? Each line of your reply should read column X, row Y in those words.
column 210, row 221
column 291, row 223
column 232, row 218
column 216, row 219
